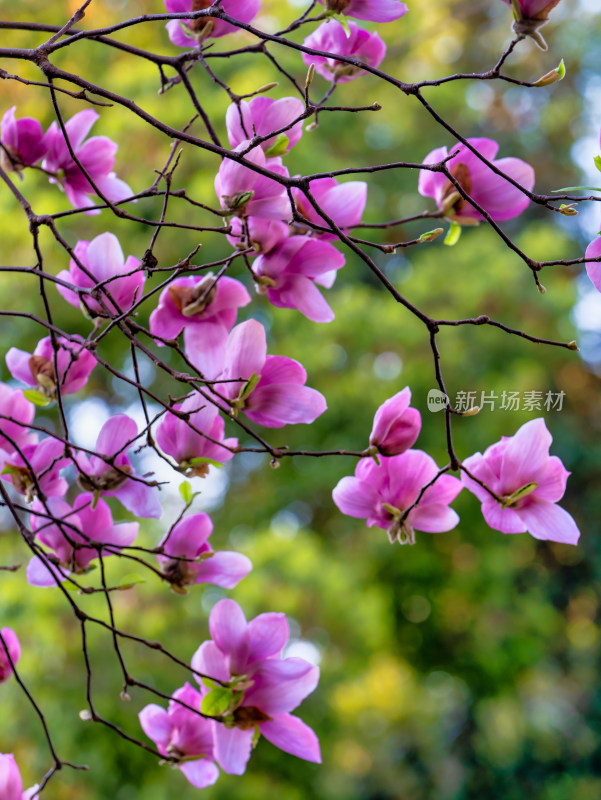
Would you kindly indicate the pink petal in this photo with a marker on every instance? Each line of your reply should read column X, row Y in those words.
column 115, row 435
column 209, row 660
column 593, row 269
column 277, row 405
column 232, row 748
column 228, row 628
column 200, row 773
column 355, row 498
column 280, row 686
column 224, row 568
column 549, row 521
column 205, row 345
column 156, row 724
column 267, row 635
column 291, row 735
column 506, row 520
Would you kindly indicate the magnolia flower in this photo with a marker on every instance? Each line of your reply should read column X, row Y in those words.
column 261, row 234
column 16, row 413
column 593, row 268
column 10, row 652
column 331, row 37
column 288, row 274
column 74, row 535
column 247, row 657
column 188, row 557
column 11, row 785
column 382, row 494
column 109, row 472
column 528, row 483
column 499, row 198
column 243, row 192
column 262, row 116
column 36, row 470
column 119, row 282
column 184, row 33
column 269, row 389
column 96, row 156
column 529, row 16
column 184, row 735
column 396, row 425
column 373, row 10
column 194, row 451
column 22, row 141
column 74, row 363
column 343, row 203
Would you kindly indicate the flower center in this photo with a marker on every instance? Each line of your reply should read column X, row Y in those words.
column 450, row 198
column 109, row 480
column 192, row 301
column 42, row 370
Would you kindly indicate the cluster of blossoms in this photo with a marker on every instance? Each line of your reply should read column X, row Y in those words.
column 245, row 686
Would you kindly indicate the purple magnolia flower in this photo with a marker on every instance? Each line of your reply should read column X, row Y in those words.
column 205, row 309
column 22, row 141
column 96, row 156
column 499, row 198
column 287, row 275
column 35, row 471
column 248, row 657
column 188, row 539
column 16, row 413
column 11, row 785
column 194, row 451
column 373, row 10
column 243, row 192
column 183, row 734
column 396, row 425
column 120, row 282
column 263, row 234
column 381, row 494
column 528, row 482
column 8, row 642
column 331, row 37
column 70, row 533
column 194, row 32
column 533, row 9
column 343, row 203
column 593, row 268
column 269, row 389
column 262, row 116
column 107, row 473
column 74, row 363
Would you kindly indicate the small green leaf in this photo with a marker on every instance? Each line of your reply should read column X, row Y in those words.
column 249, row 386
column 8, row 470
column 217, row 701
column 256, row 736
column 429, row 236
column 185, row 490
column 561, row 70
column 279, row 146
column 129, row 581
column 201, row 460
column 577, row 189
column 453, row 234
column 597, row 160
column 36, row 397
column 523, row 491
column 568, row 210
column 210, row 683
column 344, row 22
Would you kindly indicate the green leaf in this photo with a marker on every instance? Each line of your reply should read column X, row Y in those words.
column 217, row 701
column 344, row 22
column 597, row 160
column 201, row 460
column 8, row 470
column 429, row 236
column 249, row 386
column 561, row 70
column 453, row 234
column 523, row 491
column 36, row 397
column 279, row 146
column 129, row 581
column 210, row 683
column 577, row 189
column 185, row 490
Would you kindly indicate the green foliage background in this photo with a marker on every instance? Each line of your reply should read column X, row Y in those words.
column 464, row 667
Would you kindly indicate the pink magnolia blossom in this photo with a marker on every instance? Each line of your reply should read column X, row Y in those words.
column 381, row 494
column 263, row 234
column 330, row 37
column 190, row 34
column 183, row 734
column 8, row 642
column 107, row 473
column 96, row 156
column 121, row 282
column 269, row 389
column 22, row 141
column 205, row 309
column 529, row 483
column 287, row 275
column 534, row 9
column 11, row 785
column 74, row 362
column 16, row 413
column 396, row 425
column 36, row 469
column 194, row 451
column 248, row 657
column 343, row 203
column 262, row 116
column 188, row 539
column 499, row 198
column 373, row 10
column 593, row 268
column 71, row 537
column 243, row 192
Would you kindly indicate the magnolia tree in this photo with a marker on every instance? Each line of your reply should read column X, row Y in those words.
column 287, row 238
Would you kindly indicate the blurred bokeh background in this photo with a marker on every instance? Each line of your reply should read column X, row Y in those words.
column 464, row 667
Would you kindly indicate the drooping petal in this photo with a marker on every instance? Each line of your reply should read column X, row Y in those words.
column 156, row 724
column 551, row 522
column 280, row 686
column 291, row 735
column 200, row 773
column 224, row 568
column 593, row 269
column 232, row 748
column 355, row 498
